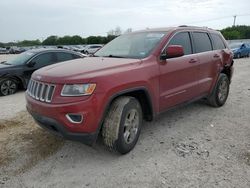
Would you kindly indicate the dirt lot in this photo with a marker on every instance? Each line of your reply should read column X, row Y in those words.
column 192, row 146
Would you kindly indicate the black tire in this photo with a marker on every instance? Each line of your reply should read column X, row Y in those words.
column 238, row 56
column 220, row 92
column 120, row 129
column 8, row 87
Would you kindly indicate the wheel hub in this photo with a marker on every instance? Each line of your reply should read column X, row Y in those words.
column 131, row 126
column 223, row 90
column 8, row 87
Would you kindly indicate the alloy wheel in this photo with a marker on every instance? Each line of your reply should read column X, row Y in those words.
column 131, row 126
column 8, row 87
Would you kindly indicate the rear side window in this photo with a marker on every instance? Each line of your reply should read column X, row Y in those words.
column 218, row 42
column 182, row 39
column 202, row 42
column 43, row 60
column 62, row 56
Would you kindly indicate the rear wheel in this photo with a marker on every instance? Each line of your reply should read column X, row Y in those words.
column 8, row 87
column 122, row 126
column 220, row 92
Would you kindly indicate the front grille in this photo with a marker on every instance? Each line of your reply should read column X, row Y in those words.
column 41, row 91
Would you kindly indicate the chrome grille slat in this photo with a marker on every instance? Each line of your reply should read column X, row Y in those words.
column 41, row 91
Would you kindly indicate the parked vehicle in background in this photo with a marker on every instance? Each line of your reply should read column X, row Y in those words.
column 3, row 51
column 16, row 50
column 134, row 77
column 15, row 73
column 240, row 49
column 91, row 49
column 79, row 48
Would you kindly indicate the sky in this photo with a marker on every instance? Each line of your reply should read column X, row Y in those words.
column 38, row 19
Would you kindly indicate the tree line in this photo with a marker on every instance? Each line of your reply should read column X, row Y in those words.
column 230, row 33
column 236, row 32
column 66, row 40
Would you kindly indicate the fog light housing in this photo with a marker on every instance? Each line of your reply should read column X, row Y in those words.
column 75, row 118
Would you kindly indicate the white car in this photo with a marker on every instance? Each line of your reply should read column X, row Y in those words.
column 91, row 49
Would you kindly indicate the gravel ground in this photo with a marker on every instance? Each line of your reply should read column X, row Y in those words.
column 192, row 146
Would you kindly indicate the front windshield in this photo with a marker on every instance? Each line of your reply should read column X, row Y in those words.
column 134, row 45
column 234, row 45
column 20, row 59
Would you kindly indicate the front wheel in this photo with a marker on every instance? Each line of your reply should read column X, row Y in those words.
column 122, row 126
column 8, row 87
column 238, row 56
column 220, row 92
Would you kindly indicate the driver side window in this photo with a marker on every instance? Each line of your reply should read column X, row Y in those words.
column 182, row 39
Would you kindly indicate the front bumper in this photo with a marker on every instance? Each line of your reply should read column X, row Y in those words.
column 53, row 117
column 57, row 129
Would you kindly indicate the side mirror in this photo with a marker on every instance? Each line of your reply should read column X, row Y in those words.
column 172, row 51
column 31, row 64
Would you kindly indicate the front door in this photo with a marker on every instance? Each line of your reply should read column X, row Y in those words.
column 178, row 76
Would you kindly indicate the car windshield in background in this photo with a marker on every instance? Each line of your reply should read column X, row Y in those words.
column 136, row 45
column 20, row 59
column 235, row 45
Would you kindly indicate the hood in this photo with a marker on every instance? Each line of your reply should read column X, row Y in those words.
column 7, row 69
column 82, row 70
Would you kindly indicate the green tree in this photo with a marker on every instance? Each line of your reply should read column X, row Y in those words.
column 29, row 43
column 76, row 39
column 51, row 40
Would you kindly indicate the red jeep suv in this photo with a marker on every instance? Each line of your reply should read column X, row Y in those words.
column 133, row 78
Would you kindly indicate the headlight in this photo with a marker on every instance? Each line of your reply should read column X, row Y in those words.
column 77, row 89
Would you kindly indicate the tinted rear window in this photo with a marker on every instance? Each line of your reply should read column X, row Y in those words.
column 218, row 42
column 62, row 56
column 202, row 42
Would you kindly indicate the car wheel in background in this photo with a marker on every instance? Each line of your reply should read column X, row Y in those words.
column 7, row 87
column 238, row 56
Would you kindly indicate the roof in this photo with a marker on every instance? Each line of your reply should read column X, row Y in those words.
column 182, row 27
column 38, row 50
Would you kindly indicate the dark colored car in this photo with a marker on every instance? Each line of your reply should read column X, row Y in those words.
column 16, row 72
column 134, row 77
column 16, row 50
column 240, row 49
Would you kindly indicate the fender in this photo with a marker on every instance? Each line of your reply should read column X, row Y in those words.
column 17, row 79
column 120, row 93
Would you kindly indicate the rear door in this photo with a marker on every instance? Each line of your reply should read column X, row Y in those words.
column 208, row 61
column 178, row 76
column 63, row 56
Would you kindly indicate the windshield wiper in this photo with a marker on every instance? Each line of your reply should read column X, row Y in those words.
column 114, row 56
